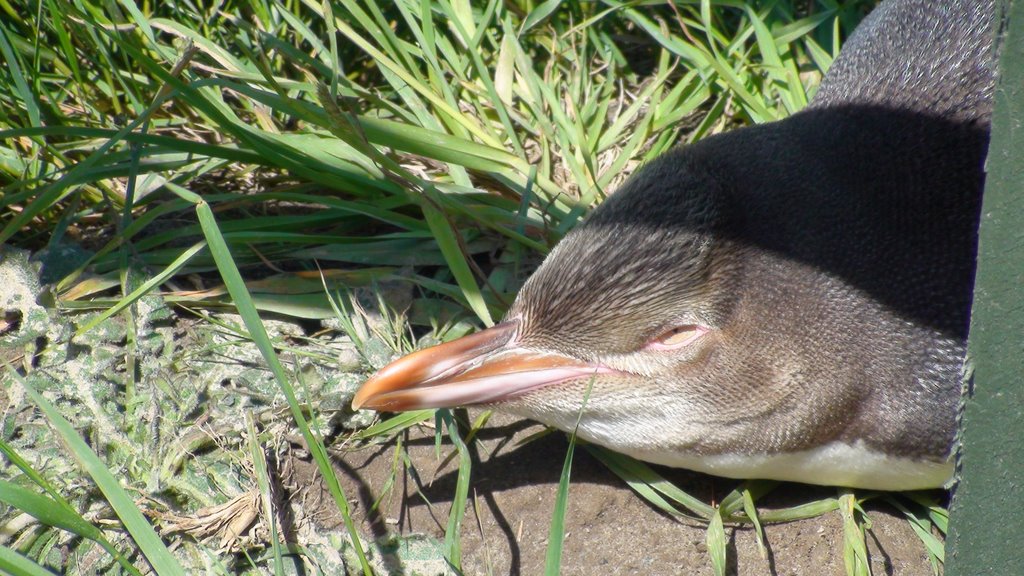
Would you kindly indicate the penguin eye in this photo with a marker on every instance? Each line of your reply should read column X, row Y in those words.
column 676, row 338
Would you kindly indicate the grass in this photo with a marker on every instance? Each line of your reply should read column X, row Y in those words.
column 180, row 172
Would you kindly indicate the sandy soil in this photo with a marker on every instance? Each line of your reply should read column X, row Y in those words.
column 610, row 529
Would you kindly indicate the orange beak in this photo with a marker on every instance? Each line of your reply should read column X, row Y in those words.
column 481, row 368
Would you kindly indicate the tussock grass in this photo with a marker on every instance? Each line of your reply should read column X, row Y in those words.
column 277, row 158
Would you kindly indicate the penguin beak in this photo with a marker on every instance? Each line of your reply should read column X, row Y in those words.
column 481, row 368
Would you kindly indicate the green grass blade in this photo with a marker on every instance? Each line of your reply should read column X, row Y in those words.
column 716, row 542
column 556, row 534
column 539, row 14
column 80, row 172
column 922, row 524
column 638, row 474
column 259, row 462
column 27, row 97
column 458, row 261
column 144, row 289
column 640, row 487
column 247, row 310
column 800, row 512
column 394, row 67
column 31, row 473
column 53, row 510
column 751, row 511
column 395, row 424
column 64, row 39
column 160, row 558
column 46, row 510
column 453, row 531
column 17, row 565
column 936, row 513
column 855, row 551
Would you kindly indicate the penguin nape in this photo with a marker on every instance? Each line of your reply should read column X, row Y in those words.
column 787, row 301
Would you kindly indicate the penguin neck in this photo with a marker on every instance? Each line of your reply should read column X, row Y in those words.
column 918, row 55
column 881, row 199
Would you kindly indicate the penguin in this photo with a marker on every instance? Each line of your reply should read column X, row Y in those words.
column 785, row 301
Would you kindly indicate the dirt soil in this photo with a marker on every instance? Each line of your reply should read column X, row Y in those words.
column 610, row 529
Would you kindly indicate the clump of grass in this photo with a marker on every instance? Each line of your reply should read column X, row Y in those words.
column 265, row 156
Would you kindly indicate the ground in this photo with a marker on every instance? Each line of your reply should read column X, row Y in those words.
column 610, row 530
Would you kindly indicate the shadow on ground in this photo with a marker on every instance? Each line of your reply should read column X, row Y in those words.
column 609, row 529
